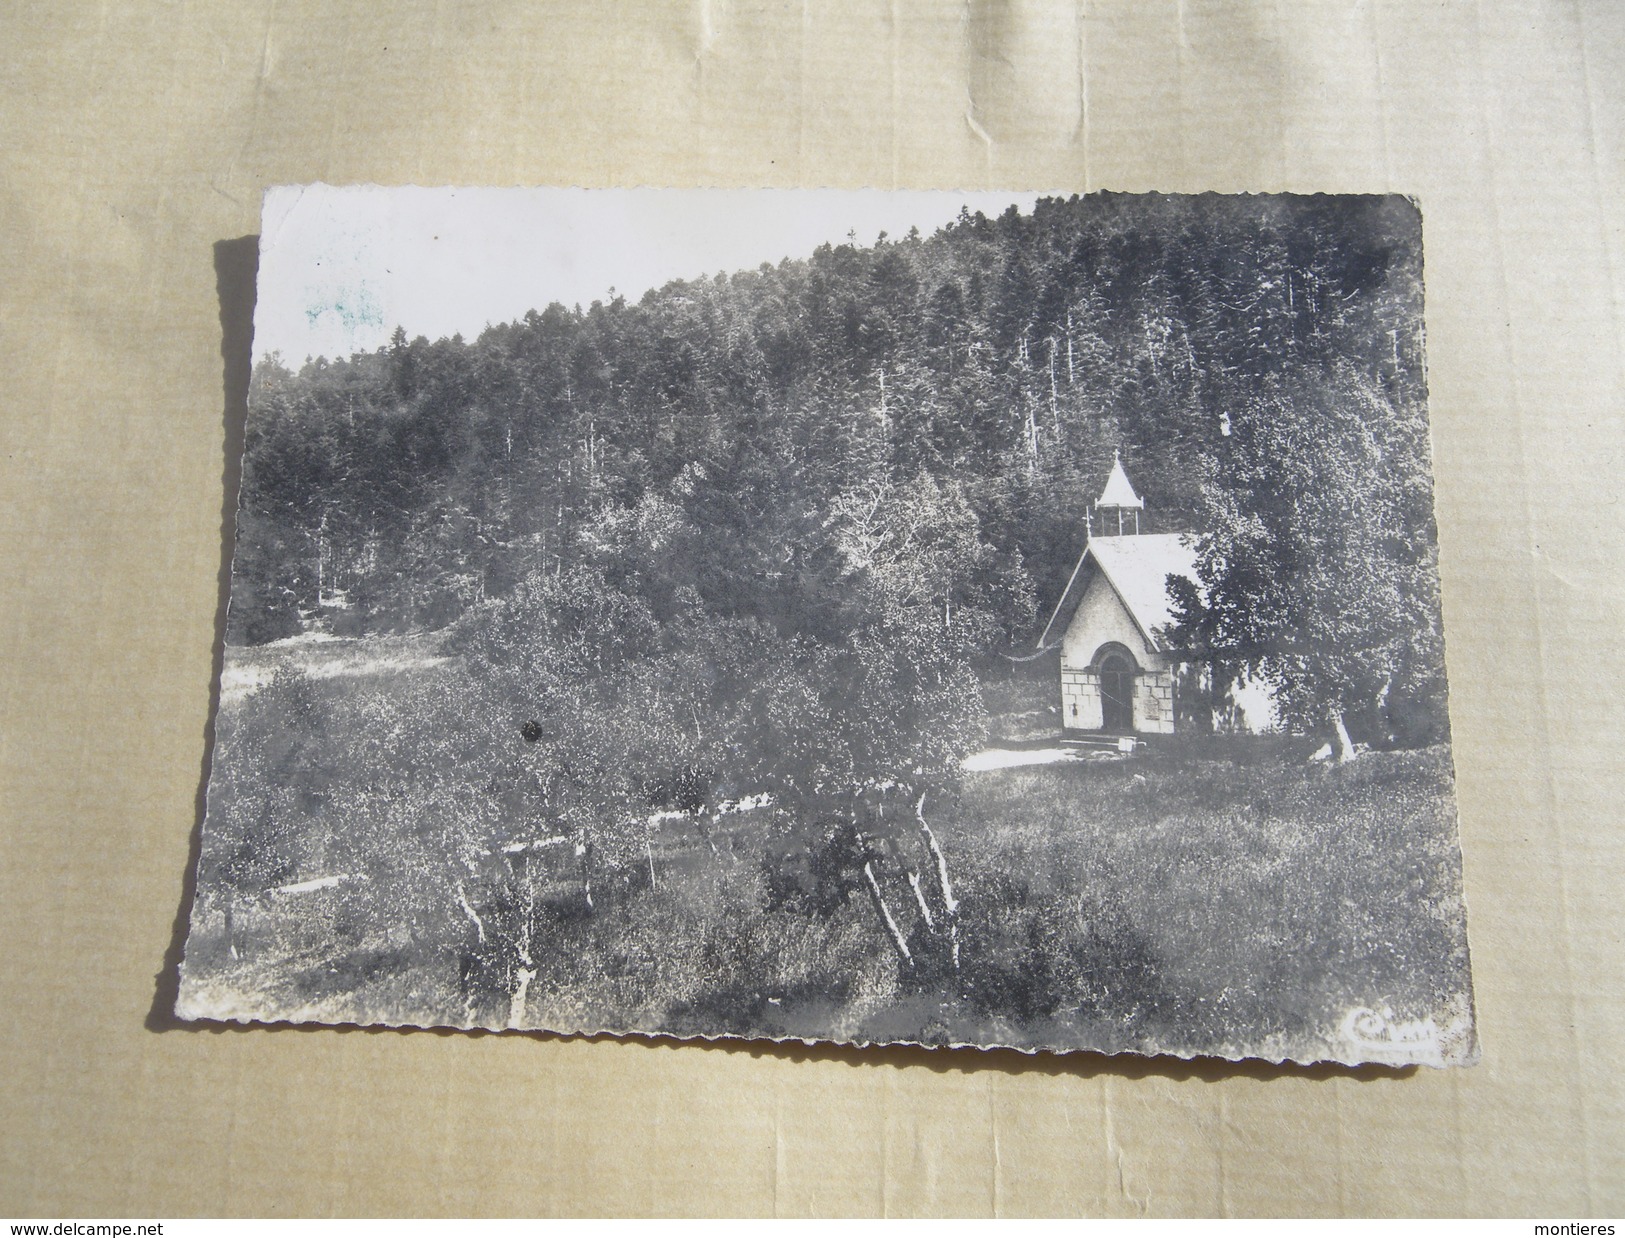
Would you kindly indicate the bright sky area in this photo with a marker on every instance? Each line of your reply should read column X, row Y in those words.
column 340, row 268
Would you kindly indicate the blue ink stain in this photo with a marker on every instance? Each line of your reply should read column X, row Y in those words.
column 355, row 310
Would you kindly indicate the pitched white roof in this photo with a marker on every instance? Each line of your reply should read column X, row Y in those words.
column 1137, row 567
column 1118, row 492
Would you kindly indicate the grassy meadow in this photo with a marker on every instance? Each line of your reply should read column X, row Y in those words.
column 1212, row 896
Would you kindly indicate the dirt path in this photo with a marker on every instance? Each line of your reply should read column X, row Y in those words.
column 315, row 655
column 1009, row 758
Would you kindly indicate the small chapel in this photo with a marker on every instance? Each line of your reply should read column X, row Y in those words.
column 1118, row 667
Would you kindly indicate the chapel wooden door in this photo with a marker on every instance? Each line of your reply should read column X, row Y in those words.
column 1116, row 695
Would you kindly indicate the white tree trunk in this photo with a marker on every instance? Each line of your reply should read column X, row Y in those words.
column 479, row 925
column 516, row 1004
column 527, row 965
column 899, row 943
column 921, row 901
column 231, row 926
column 945, row 889
column 1342, row 746
column 584, row 866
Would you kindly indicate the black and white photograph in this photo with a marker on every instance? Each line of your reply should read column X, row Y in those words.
column 953, row 619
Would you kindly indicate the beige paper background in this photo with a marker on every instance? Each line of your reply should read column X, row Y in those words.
column 134, row 137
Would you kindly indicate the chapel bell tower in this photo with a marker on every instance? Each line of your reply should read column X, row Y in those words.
column 1118, row 508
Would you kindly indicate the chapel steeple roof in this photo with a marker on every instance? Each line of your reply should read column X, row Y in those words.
column 1118, row 492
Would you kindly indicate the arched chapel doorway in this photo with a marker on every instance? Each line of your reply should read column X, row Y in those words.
column 1117, row 672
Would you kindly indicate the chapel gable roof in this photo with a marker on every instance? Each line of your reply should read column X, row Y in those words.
column 1137, row 568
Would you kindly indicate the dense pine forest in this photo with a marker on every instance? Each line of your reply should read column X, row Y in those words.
column 724, row 583
column 746, row 435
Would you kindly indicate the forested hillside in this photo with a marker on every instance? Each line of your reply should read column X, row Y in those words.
column 726, row 581
column 741, row 443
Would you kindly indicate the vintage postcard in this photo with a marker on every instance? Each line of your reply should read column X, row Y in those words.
column 953, row 619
